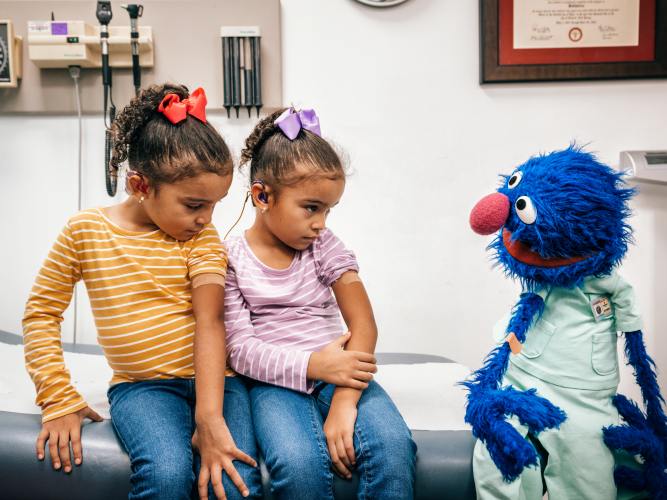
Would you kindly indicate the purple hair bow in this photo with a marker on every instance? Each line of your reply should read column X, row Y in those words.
column 290, row 122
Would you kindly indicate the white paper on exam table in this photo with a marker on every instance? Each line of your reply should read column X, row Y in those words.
column 89, row 373
column 425, row 394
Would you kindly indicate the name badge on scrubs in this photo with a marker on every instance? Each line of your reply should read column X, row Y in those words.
column 601, row 308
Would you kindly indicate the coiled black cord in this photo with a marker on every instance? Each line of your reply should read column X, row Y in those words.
column 111, row 179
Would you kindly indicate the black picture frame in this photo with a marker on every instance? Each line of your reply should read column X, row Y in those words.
column 491, row 71
column 6, row 46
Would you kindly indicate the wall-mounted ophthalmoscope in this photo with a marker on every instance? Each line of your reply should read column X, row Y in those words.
column 135, row 11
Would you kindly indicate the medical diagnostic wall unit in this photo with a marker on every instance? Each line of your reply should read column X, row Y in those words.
column 61, row 44
column 92, row 57
column 178, row 41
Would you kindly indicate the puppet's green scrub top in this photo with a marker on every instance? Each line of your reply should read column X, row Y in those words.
column 576, row 356
column 567, row 346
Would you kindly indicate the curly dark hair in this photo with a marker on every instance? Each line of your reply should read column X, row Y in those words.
column 162, row 151
column 273, row 157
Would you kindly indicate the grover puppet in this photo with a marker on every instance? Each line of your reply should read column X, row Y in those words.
column 562, row 230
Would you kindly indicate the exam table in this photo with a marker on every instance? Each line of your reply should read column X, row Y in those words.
column 444, row 457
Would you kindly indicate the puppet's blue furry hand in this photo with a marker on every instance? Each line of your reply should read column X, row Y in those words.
column 510, row 451
column 640, row 437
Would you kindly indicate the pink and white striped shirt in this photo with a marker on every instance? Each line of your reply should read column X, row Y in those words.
column 276, row 319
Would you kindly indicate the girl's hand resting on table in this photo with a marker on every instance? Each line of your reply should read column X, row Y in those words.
column 215, row 444
column 59, row 432
column 335, row 366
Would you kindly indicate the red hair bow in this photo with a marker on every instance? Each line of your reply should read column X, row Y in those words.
column 177, row 111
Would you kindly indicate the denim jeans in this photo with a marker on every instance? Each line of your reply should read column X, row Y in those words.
column 156, row 420
column 288, row 428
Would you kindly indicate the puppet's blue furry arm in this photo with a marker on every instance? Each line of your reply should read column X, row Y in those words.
column 488, row 403
column 644, row 435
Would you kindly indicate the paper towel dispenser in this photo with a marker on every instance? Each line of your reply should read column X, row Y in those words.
column 648, row 166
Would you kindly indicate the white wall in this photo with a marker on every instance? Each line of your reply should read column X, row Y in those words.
column 399, row 89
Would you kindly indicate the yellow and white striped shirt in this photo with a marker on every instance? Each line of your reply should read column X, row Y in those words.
column 139, row 290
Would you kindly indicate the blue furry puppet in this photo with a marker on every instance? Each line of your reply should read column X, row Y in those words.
column 561, row 223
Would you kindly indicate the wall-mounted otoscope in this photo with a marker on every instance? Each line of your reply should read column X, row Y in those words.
column 135, row 11
column 104, row 17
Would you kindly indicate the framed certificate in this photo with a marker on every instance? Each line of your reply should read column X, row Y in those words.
column 548, row 40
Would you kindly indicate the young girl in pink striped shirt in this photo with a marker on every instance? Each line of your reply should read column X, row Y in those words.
column 289, row 279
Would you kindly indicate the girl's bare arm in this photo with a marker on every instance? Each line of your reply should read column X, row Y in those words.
column 212, row 438
column 355, row 306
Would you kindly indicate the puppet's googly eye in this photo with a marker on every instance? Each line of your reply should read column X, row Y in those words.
column 525, row 210
column 514, row 180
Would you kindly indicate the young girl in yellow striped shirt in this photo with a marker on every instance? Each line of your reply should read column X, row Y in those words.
column 154, row 269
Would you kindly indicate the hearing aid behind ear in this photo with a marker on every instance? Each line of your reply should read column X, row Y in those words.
column 262, row 196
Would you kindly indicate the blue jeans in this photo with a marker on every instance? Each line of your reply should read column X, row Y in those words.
column 156, row 420
column 288, row 428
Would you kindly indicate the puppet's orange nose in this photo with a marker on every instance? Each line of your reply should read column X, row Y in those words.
column 490, row 214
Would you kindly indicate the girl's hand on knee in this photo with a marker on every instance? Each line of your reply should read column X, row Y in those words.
column 335, row 366
column 213, row 441
column 339, row 431
column 59, row 432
